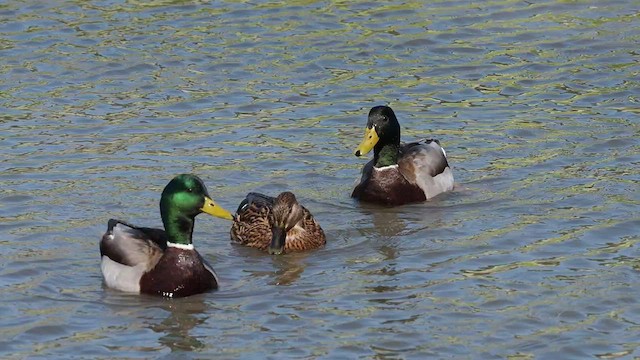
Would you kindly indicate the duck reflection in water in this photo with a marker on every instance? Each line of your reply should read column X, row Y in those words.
column 289, row 268
column 285, row 270
column 386, row 221
column 184, row 315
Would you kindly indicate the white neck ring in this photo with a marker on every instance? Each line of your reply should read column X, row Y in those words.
column 180, row 246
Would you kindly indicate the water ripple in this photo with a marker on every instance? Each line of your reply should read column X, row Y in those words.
column 532, row 256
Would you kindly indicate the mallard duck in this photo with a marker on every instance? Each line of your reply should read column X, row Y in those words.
column 162, row 262
column 276, row 225
column 399, row 173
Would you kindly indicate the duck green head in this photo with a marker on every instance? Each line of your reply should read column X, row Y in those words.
column 381, row 134
column 182, row 200
column 286, row 213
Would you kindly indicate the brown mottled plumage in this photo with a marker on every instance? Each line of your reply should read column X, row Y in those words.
column 276, row 225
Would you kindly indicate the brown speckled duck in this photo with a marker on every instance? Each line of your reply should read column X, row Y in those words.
column 276, row 225
column 399, row 173
column 162, row 262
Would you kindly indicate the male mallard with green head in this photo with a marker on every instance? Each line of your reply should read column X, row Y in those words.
column 399, row 173
column 276, row 225
column 153, row 261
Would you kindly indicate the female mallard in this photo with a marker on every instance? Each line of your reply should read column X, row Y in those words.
column 157, row 262
column 276, row 225
column 399, row 173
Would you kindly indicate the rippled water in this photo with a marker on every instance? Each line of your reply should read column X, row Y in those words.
column 537, row 103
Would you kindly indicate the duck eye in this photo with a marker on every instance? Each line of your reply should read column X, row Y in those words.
column 189, row 189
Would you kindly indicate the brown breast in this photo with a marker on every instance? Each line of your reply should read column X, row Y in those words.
column 388, row 187
column 179, row 273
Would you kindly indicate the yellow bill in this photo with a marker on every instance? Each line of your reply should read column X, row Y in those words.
column 211, row 208
column 370, row 140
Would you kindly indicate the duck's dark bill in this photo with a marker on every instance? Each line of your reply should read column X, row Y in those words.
column 277, row 241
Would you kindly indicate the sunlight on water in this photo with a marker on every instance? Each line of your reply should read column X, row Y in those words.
column 533, row 256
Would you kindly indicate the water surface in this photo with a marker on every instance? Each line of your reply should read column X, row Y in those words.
column 533, row 256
